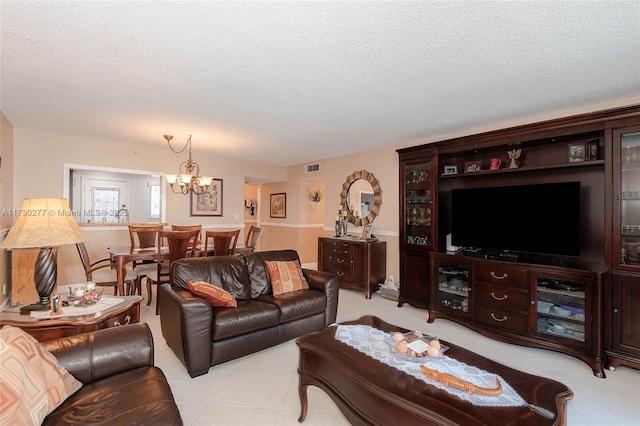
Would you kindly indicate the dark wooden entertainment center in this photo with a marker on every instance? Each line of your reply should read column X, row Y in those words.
column 586, row 306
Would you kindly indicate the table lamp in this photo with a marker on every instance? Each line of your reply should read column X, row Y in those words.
column 44, row 223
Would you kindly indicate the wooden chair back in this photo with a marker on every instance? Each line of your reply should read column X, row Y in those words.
column 90, row 268
column 84, row 258
column 179, row 243
column 188, row 228
column 145, row 234
column 224, row 242
column 251, row 241
column 253, row 237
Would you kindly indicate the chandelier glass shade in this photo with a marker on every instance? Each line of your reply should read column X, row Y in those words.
column 189, row 179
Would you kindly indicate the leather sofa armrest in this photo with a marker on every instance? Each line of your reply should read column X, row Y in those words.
column 185, row 320
column 330, row 285
column 99, row 354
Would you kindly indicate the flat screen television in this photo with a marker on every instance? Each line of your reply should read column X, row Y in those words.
column 542, row 219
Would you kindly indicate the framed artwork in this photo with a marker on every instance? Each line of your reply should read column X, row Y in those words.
column 472, row 166
column 366, row 232
column 593, row 150
column 278, row 205
column 576, row 152
column 450, row 170
column 209, row 203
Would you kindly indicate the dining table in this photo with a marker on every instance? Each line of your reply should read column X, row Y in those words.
column 121, row 256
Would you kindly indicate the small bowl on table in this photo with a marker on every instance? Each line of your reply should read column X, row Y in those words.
column 89, row 298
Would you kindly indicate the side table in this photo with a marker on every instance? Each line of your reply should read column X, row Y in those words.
column 125, row 312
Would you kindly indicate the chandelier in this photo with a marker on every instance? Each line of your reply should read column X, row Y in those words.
column 189, row 179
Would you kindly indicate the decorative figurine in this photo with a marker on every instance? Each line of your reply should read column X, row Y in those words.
column 514, row 154
column 123, row 214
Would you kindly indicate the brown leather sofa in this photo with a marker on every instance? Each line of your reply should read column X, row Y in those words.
column 120, row 383
column 202, row 336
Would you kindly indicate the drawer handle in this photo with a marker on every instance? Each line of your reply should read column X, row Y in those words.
column 127, row 320
column 505, row 297
column 497, row 277
column 340, row 273
column 339, row 260
column 504, row 318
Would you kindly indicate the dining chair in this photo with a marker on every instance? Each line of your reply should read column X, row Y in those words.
column 102, row 272
column 251, row 241
column 224, row 242
column 190, row 228
column 143, row 237
column 180, row 244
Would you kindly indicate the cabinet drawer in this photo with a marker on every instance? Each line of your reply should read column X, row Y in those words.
column 340, row 259
column 339, row 270
column 340, row 245
column 501, row 319
column 500, row 275
column 502, row 297
column 129, row 317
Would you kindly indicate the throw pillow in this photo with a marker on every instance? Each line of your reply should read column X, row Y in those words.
column 33, row 383
column 285, row 276
column 212, row 294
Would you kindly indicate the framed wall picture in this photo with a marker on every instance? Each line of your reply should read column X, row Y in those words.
column 366, row 232
column 450, row 170
column 592, row 150
column 209, row 203
column 576, row 152
column 472, row 166
column 278, row 205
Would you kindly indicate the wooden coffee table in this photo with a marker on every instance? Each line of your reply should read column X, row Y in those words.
column 371, row 393
column 125, row 312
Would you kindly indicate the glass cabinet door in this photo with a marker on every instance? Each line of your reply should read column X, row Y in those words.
column 418, row 204
column 561, row 309
column 453, row 287
column 628, row 188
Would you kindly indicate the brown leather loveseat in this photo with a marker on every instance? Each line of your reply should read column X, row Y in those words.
column 202, row 335
column 120, row 383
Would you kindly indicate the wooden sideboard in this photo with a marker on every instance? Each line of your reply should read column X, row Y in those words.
column 359, row 264
column 520, row 303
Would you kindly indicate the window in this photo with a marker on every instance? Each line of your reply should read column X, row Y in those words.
column 154, row 197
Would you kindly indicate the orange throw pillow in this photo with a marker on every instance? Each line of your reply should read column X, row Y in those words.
column 285, row 276
column 212, row 294
column 33, row 382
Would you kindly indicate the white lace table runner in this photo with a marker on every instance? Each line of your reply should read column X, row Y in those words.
column 377, row 344
column 74, row 311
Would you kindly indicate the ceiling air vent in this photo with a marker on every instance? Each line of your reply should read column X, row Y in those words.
column 311, row 168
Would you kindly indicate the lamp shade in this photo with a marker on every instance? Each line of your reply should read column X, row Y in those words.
column 44, row 222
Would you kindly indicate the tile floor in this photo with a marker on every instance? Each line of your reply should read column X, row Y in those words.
column 262, row 388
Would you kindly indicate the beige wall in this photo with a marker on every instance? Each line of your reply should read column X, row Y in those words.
column 44, row 155
column 383, row 163
column 305, row 223
column 47, row 154
column 6, row 197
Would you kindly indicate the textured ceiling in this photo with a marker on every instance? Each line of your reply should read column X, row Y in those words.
column 290, row 82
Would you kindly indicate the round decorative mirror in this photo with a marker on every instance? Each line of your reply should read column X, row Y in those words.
column 362, row 197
